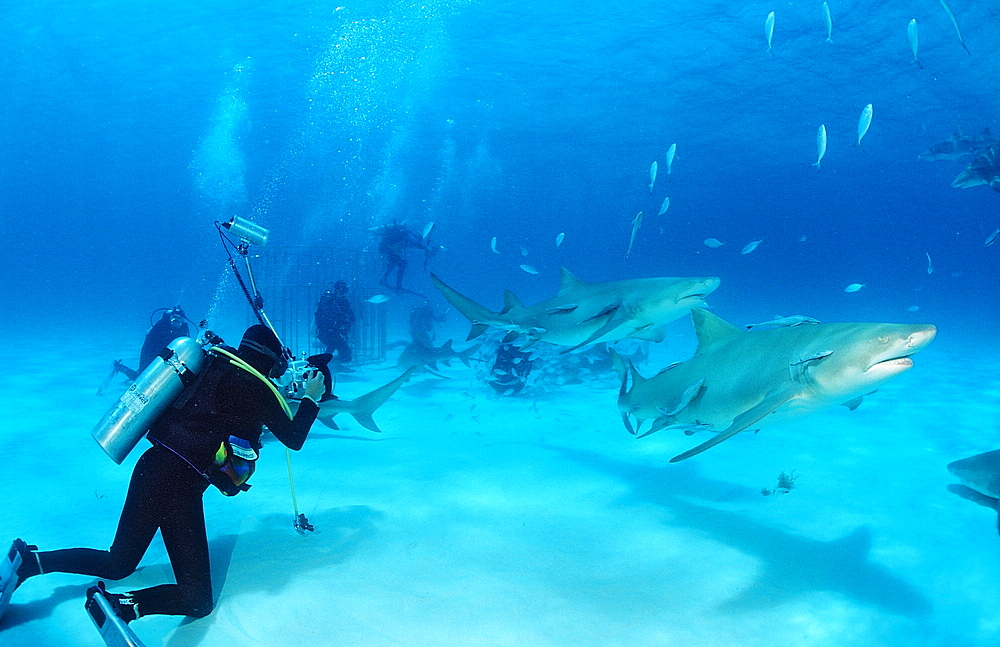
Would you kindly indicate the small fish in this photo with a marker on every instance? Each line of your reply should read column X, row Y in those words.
column 493, row 245
column 820, row 145
column 954, row 21
column 911, row 38
column 671, row 153
column 828, row 19
column 784, row 322
column 802, row 239
column 714, row 243
column 562, row 310
column 529, row 269
column 427, row 229
column 636, row 223
column 664, row 206
column 913, row 308
column 854, row 287
column 865, row 122
column 930, row 264
column 812, row 358
column 769, row 31
column 652, row 176
column 524, row 251
column 751, row 246
column 378, row 298
column 992, row 238
column 559, row 239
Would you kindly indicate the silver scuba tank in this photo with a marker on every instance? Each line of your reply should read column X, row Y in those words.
column 120, row 430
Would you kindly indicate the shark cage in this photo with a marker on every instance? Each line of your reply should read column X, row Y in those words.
column 292, row 279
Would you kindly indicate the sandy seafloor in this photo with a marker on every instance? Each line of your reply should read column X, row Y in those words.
column 480, row 520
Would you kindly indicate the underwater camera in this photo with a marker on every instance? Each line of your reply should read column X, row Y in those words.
column 247, row 231
column 293, row 380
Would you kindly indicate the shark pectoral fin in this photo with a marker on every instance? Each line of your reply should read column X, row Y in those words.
column 969, row 494
column 328, row 421
column 476, row 330
column 628, row 423
column 741, row 422
column 617, row 320
column 650, row 333
column 854, row 403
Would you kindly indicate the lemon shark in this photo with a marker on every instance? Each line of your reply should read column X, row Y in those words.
column 740, row 380
column 361, row 407
column 980, row 477
column 582, row 313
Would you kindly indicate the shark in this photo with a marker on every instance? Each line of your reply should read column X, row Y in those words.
column 739, row 380
column 980, row 480
column 361, row 408
column 959, row 146
column 984, row 169
column 423, row 357
column 583, row 313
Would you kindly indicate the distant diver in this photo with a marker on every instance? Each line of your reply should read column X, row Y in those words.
column 173, row 323
column 394, row 240
column 209, row 435
column 334, row 320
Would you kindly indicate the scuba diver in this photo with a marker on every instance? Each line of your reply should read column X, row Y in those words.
column 209, row 435
column 422, row 320
column 171, row 325
column 394, row 240
column 334, row 320
column 510, row 370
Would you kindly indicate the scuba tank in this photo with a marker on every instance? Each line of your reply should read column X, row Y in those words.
column 120, row 430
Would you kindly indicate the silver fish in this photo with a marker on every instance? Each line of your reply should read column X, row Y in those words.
column 820, row 145
column 636, row 223
column 911, row 38
column 378, row 298
column 664, row 206
column 427, row 229
column 493, row 245
column 671, row 153
column 954, row 21
column 828, row 19
column 751, row 246
column 992, row 238
column 559, row 239
column 865, row 122
column 854, row 287
column 714, row 243
column 529, row 269
column 930, row 264
column 652, row 176
column 769, row 31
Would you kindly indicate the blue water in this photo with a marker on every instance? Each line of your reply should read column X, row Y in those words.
column 127, row 128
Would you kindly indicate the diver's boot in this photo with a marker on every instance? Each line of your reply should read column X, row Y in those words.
column 111, row 613
column 20, row 563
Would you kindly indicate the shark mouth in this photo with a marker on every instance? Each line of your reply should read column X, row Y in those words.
column 895, row 363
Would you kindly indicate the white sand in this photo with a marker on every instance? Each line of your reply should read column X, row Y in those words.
column 478, row 520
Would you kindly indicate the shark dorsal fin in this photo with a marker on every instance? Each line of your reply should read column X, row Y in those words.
column 567, row 281
column 710, row 328
column 510, row 301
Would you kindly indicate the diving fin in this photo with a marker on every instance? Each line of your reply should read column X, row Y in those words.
column 8, row 571
column 113, row 629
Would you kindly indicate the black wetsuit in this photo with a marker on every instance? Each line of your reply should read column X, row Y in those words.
column 169, row 479
column 334, row 320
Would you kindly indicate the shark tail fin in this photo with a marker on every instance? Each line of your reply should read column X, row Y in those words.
column 469, row 308
column 363, row 407
column 465, row 356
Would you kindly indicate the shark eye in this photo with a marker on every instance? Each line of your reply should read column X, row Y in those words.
column 884, row 340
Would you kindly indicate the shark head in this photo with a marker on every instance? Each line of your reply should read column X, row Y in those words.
column 980, row 472
column 858, row 358
column 676, row 296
